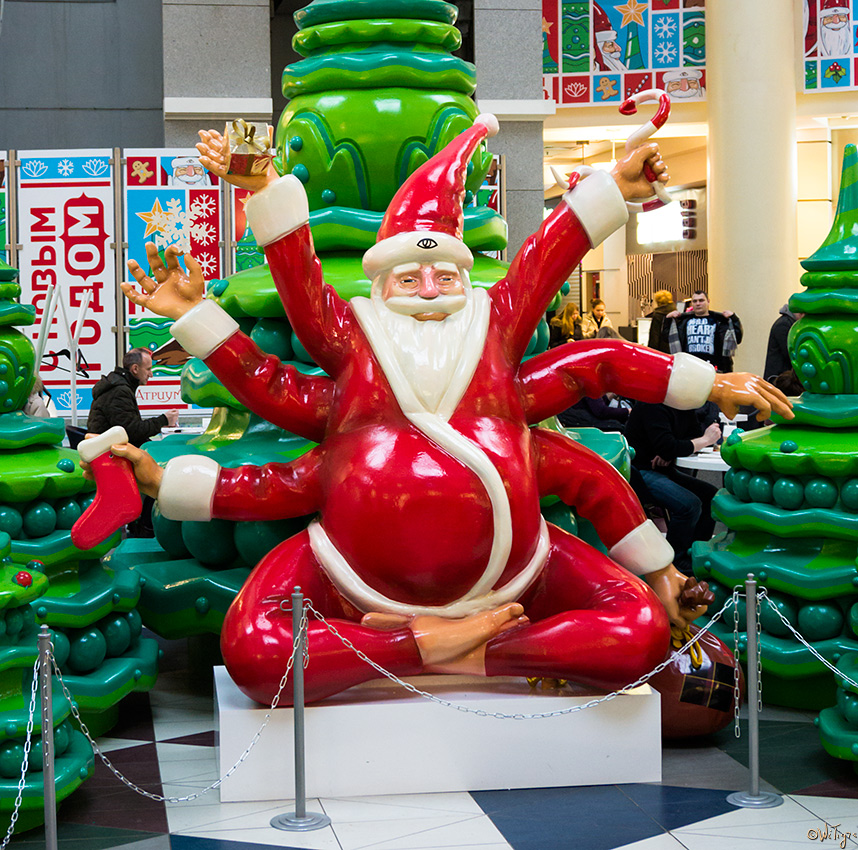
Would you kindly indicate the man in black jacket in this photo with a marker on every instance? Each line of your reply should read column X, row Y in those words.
column 706, row 334
column 777, row 352
column 114, row 400
column 659, row 435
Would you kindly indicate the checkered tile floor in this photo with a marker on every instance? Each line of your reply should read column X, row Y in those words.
column 165, row 743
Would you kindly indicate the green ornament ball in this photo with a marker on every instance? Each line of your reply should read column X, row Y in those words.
column 296, row 143
column 741, row 482
column 88, row 651
column 300, row 352
column 273, row 337
column 329, row 196
column 35, row 761
column 210, row 542
column 11, row 521
column 820, row 621
column 68, row 513
column 168, row 533
column 62, row 738
column 849, row 494
column 135, row 623
column 40, row 519
column 821, row 493
column 788, row 493
column 789, row 446
column 770, row 621
column 86, row 500
column 65, row 464
column 62, row 647
column 254, row 540
column 11, row 759
column 218, row 287
column 302, row 173
column 117, row 634
column 847, row 702
column 760, row 488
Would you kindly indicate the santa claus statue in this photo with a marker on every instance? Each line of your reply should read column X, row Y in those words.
column 428, row 550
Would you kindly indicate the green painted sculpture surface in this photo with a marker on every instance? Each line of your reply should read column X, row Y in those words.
column 790, row 499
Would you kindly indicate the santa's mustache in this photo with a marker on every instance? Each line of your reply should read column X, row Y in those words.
column 411, row 305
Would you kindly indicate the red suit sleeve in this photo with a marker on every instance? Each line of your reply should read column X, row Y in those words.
column 272, row 491
column 537, row 272
column 587, row 483
column 562, row 376
column 278, row 393
column 318, row 315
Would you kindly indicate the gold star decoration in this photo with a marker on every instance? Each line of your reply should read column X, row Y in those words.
column 156, row 213
column 632, row 11
column 546, row 26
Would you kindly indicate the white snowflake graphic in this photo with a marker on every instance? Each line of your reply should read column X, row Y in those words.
column 202, row 233
column 665, row 53
column 665, row 27
column 95, row 167
column 208, row 264
column 66, row 167
column 34, row 168
column 203, row 206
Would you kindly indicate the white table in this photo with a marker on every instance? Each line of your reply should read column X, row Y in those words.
column 706, row 459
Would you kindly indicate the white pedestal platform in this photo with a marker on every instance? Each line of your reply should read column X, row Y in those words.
column 377, row 738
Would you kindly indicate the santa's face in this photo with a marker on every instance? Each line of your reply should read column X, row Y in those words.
column 611, row 48
column 685, row 88
column 836, row 21
column 425, row 292
column 835, row 35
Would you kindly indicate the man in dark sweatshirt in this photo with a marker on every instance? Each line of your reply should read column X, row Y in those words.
column 114, row 400
column 659, row 435
column 705, row 333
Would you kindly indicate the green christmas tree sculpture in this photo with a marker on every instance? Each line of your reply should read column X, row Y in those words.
column 377, row 95
column 791, row 497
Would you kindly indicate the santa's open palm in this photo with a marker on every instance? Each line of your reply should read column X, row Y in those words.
column 173, row 291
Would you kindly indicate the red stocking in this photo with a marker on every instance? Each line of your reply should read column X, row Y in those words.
column 117, row 499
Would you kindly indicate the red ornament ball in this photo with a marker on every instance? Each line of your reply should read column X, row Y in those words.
column 24, row 579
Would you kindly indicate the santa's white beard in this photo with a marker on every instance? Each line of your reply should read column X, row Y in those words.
column 687, row 94
column 427, row 352
column 835, row 42
column 612, row 61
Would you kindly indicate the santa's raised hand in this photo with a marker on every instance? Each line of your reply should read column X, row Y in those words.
column 215, row 156
column 629, row 171
column 171, row 291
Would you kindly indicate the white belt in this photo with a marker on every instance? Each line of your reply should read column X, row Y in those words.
column 366, row 598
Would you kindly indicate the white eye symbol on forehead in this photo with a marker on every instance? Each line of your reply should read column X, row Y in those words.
column 427, row 243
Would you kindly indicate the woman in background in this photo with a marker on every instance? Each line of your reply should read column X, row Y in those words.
column 595, row 320
column 664, row 304
column 566, row 325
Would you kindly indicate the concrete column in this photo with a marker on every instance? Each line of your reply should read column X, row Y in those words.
column 217, row 65
column 752, row 185
column 508, row 56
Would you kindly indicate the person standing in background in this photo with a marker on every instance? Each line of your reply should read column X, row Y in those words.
column 777, row 353
column 706, row 334
column 595, row 320
column 664, row 304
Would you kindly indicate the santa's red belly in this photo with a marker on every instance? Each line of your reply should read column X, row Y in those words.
column 414, row 523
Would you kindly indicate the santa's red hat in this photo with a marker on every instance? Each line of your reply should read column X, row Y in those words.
column 602, row 29
column 424, row 221
column 831, row 7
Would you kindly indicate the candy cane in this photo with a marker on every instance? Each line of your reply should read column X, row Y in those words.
column 629, row 107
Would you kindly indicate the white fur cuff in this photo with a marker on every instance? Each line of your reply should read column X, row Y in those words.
column 690, row 383
column 599, row 205
column 95, row 446
column 203, row 328
column 277, row 210
column 187, row 488
column 643, row 550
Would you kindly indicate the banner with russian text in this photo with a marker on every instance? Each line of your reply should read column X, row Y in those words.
column 66, row 229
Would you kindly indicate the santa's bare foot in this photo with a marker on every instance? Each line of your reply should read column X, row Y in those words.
column 442, row 641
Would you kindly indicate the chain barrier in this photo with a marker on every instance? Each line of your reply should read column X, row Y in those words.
column 499, row 715
column 737, row 668
column 28, row 740
column 764, row 594
column 189, row 797
column 731, row 602
column 759, row 659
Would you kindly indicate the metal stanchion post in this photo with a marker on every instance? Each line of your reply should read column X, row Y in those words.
column 50, row 791
column 754, row 798
column 299, row 820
